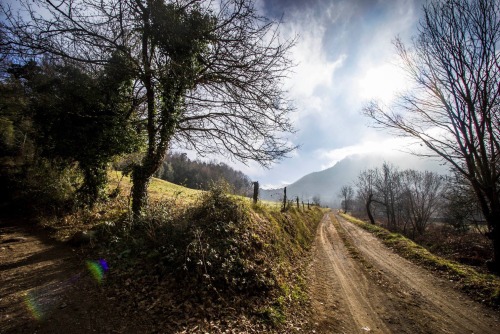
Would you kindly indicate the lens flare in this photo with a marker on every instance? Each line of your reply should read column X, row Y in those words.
column 32, row 306
column 97, row 269
column 42, row 300
column 104, row 264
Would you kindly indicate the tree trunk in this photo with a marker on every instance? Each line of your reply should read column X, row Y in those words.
column 496, row 249
column 140, row 185
column 490, row 207
column 368, row 209
column 141, row 176
column 494, row 235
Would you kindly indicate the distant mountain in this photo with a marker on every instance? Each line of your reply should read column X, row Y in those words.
column 327, row 183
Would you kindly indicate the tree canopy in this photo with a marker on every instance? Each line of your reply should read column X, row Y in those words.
column 205, row 75
column 67, row 116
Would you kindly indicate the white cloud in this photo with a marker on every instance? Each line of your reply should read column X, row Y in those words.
column 313, row 67
column 268, row 186
column 382, row 146
column 344, row 57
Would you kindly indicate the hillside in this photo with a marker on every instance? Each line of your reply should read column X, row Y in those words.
column 175, row 269
column 327, row 183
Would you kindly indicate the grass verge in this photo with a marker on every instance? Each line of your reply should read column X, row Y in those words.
column 200, row 259
column 484, row 288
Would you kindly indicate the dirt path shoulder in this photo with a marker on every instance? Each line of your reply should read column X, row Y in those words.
column 358, row 285
column 47, row 287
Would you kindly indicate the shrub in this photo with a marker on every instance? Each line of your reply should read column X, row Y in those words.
column 43, row 188
column 210, row 244
column 223, row 251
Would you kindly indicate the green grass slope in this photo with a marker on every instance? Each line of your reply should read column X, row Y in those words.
column 198, row 255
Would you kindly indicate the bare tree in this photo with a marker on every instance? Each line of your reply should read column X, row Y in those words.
column 460, row 208
column 406, row 197
column 388, row 190
column 454, row 109
column 382, row 187
column 206, row 75
column 365, row 190
column 420, row 198
column 347, row 194
column 316, row 200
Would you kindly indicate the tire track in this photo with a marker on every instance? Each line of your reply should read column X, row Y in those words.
column 358, row 285
column 436, row 306
column 333, row 273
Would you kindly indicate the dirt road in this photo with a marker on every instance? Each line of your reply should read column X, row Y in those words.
column 46, row 287
column 359, row 286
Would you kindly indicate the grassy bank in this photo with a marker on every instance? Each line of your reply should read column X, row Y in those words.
column 199, row 261
column 484, row 288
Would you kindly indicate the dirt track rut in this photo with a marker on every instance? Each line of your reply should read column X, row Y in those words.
column 46, row 288
column 371, row 289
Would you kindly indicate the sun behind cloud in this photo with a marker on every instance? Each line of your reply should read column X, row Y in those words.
column 383, row 83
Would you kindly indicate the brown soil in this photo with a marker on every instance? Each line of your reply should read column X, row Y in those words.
column 46, row 287
column 358, row 285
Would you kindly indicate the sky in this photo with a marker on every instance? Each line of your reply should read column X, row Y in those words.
column 345, row 58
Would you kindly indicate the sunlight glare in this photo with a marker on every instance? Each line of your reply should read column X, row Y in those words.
column 383, row 83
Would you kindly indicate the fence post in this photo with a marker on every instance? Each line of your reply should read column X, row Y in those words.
column 284, row 199
column 255, row 192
